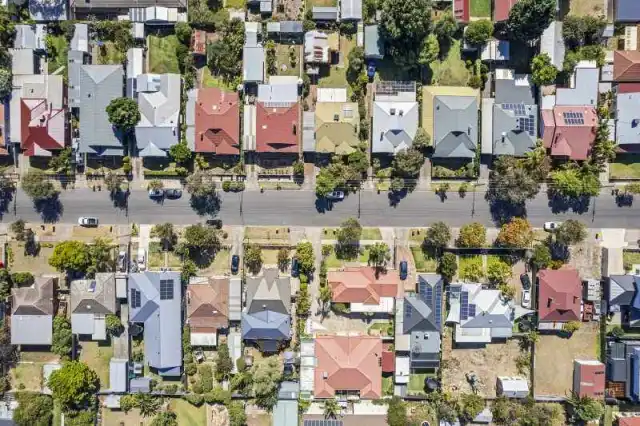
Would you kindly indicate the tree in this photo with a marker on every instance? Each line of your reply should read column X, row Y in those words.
column 113, row 182
column 543, row 71
column 127, row 402
column 541, row 257
column 407, row 163
column 5, row 284
column 397, row 412
column 266, row 374
column 604, row 149
column 165, row 418
column 507, row 292
column 529, row 18
column 478, row 32
column 113, row 325
column 200, row 185
column 165, row 232
column 74, row 385
column 61, row 162
column 202, row 239
column 422, row 140
column 237, row 414
column 36, row 185
column 99, row 257
column 428, row 53
column 348, row 238
column 283, row 258
column 397, row 185
column 582, row 30
column 472, row 404
column 356, row 62
column 446, row 27
column 448, row 266
column 18, row 228
column 571, row 326
column 585, row 408
column 180, row 152
column 472, row 235
column 305, row 256
column 33, row 409
column 253, row 258
column 225, row 57
column 438, row 236
column 331, row 408
column 517, row 234
column 5, row 83
column 498, row 273
column 511, row 182
column 325, row 183
column 147, row 404
column 326, row 295
column 224, row 363
column 379, row 255
column 123, row 113
column 183, row 32
column 571, row 232
column 616, row 332
column 70, row 256
column 404, row 25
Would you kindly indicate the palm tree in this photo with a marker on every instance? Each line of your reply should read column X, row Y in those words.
column 331, row 409
column 147, row 404
column 325, row 296
column 379, row 255
column 166, row 234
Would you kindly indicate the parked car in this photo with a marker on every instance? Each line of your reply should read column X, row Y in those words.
column 295, row 267
column 404, row 270
column 216, row 223
column 526, row 281
column 88, row 221
column 526, row 298
column 335, row 196
column 235, row 264
column 551, row 226
column 156, row 193
column 173, row 193
column 141, row 259
column 122, row 261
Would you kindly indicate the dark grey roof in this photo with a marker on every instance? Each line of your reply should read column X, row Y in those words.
column 455, row 126
column 268, row 292
column 266, row 325
column 621, row 289
column 141, row 384
column 627, row 11
column 508, row 136
column 324, row 13
column 373, row 46
column 291, row 27
column 514, row 91
column 616, row 362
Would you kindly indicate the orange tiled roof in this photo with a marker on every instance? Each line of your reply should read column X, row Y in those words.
column 363, row 285
column 626, row 65
column 217, row 122
column 277, row 128
column 208, row 305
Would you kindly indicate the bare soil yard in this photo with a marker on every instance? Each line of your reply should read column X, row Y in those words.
column 586, row 7
column 496, row 359
column 554, row 359
column 37, row 265
column 586, row 257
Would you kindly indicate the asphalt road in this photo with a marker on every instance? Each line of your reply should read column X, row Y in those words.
column 299, row 208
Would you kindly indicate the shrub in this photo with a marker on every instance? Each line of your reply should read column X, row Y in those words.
column 226, row 185
column 206, row 377
column 194, row 399
column 190, row 368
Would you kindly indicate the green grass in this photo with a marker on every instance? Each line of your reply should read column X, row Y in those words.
column 387, row 386
column 97, row 357
column 156, row 257
column 58, row 48
column 416, row 383
column 627, row 167
column 188, row 414
column 322, row 3
column 480, row 8
column 283, row 58
column 332, row 260
column 417, row 234
column 235, row 4
column 29, row 375
column 162, row 54
column 108, row 54
column 209, row 80
column 367, row 233
column 491, row 259
column 266, row 233
column 387, row 70
column 423, row 262
column 469, row 267
column 452, row 71
column 630, row 258
column 337, row 78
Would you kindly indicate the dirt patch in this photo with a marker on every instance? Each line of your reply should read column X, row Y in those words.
column 586, row 7
column 117, row 417
column 37, row 265
column 257, row 416
column 496, row 359
column 555, row 355
column 586, row 257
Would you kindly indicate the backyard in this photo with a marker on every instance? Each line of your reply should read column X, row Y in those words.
column 416, row 383
column 284, row 61
column 108, row 54
column 97, row 355
column 586, row 7
column 452, row 71
column 162, row 54
column 337, row 76
column 387, row 70
column 131, row 418
column 480, row 8
column 188, row 414
column 57, row 48
column 625, row 167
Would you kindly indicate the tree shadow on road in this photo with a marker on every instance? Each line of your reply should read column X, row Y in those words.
column 50, row 209
column 120, row 199
column 502, row 211
column 209, row 205
column 396, row 196
column 5, row 201
column 559, row 203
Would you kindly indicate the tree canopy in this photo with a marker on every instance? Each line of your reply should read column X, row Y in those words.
column 123, row 113
column 180, row 152
column 62, row 339
column 165, row 418
column 5, row 83
column 348, row 238
column 472, row 235
column 478, row 32
column 379, row 255
column 582, row 30
column 403, row 26
column 266, row 374
column 571, row 232
column 74, row 385
column 33, row 409
column 70, row 256
column 574, row 181
column 529, row 18
column 253, row 257
column 407, row 163
column 542, row 70
column 201, row 238
column 438, row 235
column 541, row 257
column 397, row 412
column 305, row 256
column 225, row 54
column 38, row 187
column 510, row 182
column 448, row 266
column 518, row 233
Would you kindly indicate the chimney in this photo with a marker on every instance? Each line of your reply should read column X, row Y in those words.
column 392, row 111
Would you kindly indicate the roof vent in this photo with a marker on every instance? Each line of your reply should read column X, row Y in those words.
column 264, row 307
column 504, row 135
column 469, row 130
column 325, row 375
column 336, row 117
column 392, row 111
column 401, row 113
column 426, row 336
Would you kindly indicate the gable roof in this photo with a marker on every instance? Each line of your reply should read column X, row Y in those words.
column 567, row 137
column 552, row 43
column 266, row 325
column 277, row 127
column 162, row 318
column 32, row 313
column 622, row 288
column 268, row 292
column 501, row 9
column 455, row 126
column 588, row 378
column 207, row 304
column 626, row 65
column 514, row 133
column 560, row 293
column 217, row 121
column 336, row 127
column 96, row 296
column 627, row 11
column 351, row 9
column 363, row 285
column 348, row 363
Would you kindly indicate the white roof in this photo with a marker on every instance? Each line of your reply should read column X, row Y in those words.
column 331, row 95
column 402, row 372
column 235, row 348
column 307, row 366
column 514, row 384
column 487, row 125
column 386, row 305
column 204, row 339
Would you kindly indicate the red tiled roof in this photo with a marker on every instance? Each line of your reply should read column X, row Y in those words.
column 217, row 122
column 502, row 8
column 41, row 126
column 628, row 421
column 461, row 10
column 566, row 139
column 388, row 361
column 348, row 363
column 559, row 295
column 588, row 379
column 208, row 305
column 626, row 65
column 628, row 87
column 363, row 285
column 277, row 128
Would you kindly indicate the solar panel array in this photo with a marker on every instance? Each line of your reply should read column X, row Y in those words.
column 166, row 289
column 455, row 292
column 527, row 124
column 464, row 306
column 438, row 305
column 323, row 423
column 573, row 118
column 518, row 109
column 135, row 298
column 428, row 295
column 472, row 310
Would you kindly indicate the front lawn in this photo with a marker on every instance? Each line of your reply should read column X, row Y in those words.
column 367, row 233
column 480, row 8
column 157, row 257
column 27, row 376
column 422, row 260
column 625, row 167
column 37, row 265
column 162, row 54
column 333, row 262
column 266, row 233
column 220, row 265
column 452, row 71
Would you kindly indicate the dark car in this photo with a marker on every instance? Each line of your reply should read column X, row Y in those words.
column 295, row 267
column 173, row 193
column 156, row 193
column 404, row 270
column 526, row 281
column 235, row 263
column 216, row 223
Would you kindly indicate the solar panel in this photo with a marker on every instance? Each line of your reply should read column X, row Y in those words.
column 408, row 310
column 573, row 118
column 438, row 303
column 518, row 109
column 135, row 298
column 472, row 310
column 464, row 305
column 526, row 124
column 322, row 423
column 421, row 287
column 166, row 289
column 428, row 295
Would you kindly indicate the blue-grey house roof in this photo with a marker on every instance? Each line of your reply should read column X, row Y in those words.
column 514, row 128
column 324, row 13
column 286, row 410
column 373, row 47
column 627, row 11
column 118, row 375
column 455, row 126
column 423, row 321
column 253, row 64
column 155, row 300
column 268, row 292
column 266, row 325
column 628, row 122
column 48, row 10
column 99, row 85
column 622, row 289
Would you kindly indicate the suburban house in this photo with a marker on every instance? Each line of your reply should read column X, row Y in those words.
column 155, row 300
column 395, row 117
column 418, row 328
column 627, row 11
column 266, row 319
column 316, row 48
column 48, row 10
column 287, row 30
column 559, row 297
column 30, row 37
column 32, row 311
column 336, row 123
column 501, row 9
column 588, row 378
column 348, row 367
column 481, row 315
column 213, row 121
column 552, row 43
column 373, row 44
column 623, row 370
column 365, row 289
column 207, row 301
column 285, row 412
column 99, row 85
column 569, row 132
column 627, row 104
column 350, row 10
column 628, row 421
column 461, row 10
column 159, row 103
column 623, row 299
column 514, row 115
column 324, row 13
column 91, row 301
column 626, row 66
column 122, row 7
column 450, row 119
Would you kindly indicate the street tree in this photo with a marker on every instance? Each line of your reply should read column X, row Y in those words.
column 62, row 338
column 166, row 234
column 498, row 273
column 541, row 257
column 429, row 52
column 542, row 70
column 123, row 113
column 5, row 83
column 283, row 258
column 36, row 185
column 266, row 374
column 305, row 256
column 202, row 239
column 70, row 256
column 478, row 32
column 397, row 184
column 34, row 409
column 529, row 18
column 348, row 238
column 224, row 363
column 407, row 163
column 448, row 266
column 165, row 418
column 571, row 232
column 573, row 181
column 518, row 233
column 331, row 408
column 325, row 183
column 397, row 412
column 437, row 237
column 74, row 385
column 199, row 184
column 379, row 255
column 472, row 235
column 404, row 25
column 180, row 152
column 253, row 258
column 113, row 182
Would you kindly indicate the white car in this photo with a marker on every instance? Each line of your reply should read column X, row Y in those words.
column 141, row 259
column 551, row 226
column 526, row 298
column 88, row 221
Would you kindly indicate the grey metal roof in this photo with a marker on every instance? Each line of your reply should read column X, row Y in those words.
column 32, row 313
column 351, row 9
column 291, row 27
column 95, row 296
column 288, row 390
column 76, row 59
column 584, row 90
column 508, row 137
column 628, row 122
column 518, row 89
column 621, row 289
column 455, row 125
column 308, row 131
column 552, row 43
column 268, row 291
column 99, row 85
column 118, row 375
column 126, row 4
column 253, row 63
column 23, row 62
column 373, row 46
column 266, row 325
column 162, row 319
column 141, row 384
column 285, row 413
column 235, row 299
column 395, row 124
column 48, row 10
column 30, row 37
column 324, row 13
column 80, row 40
column 31, row 329
column 627, row 11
